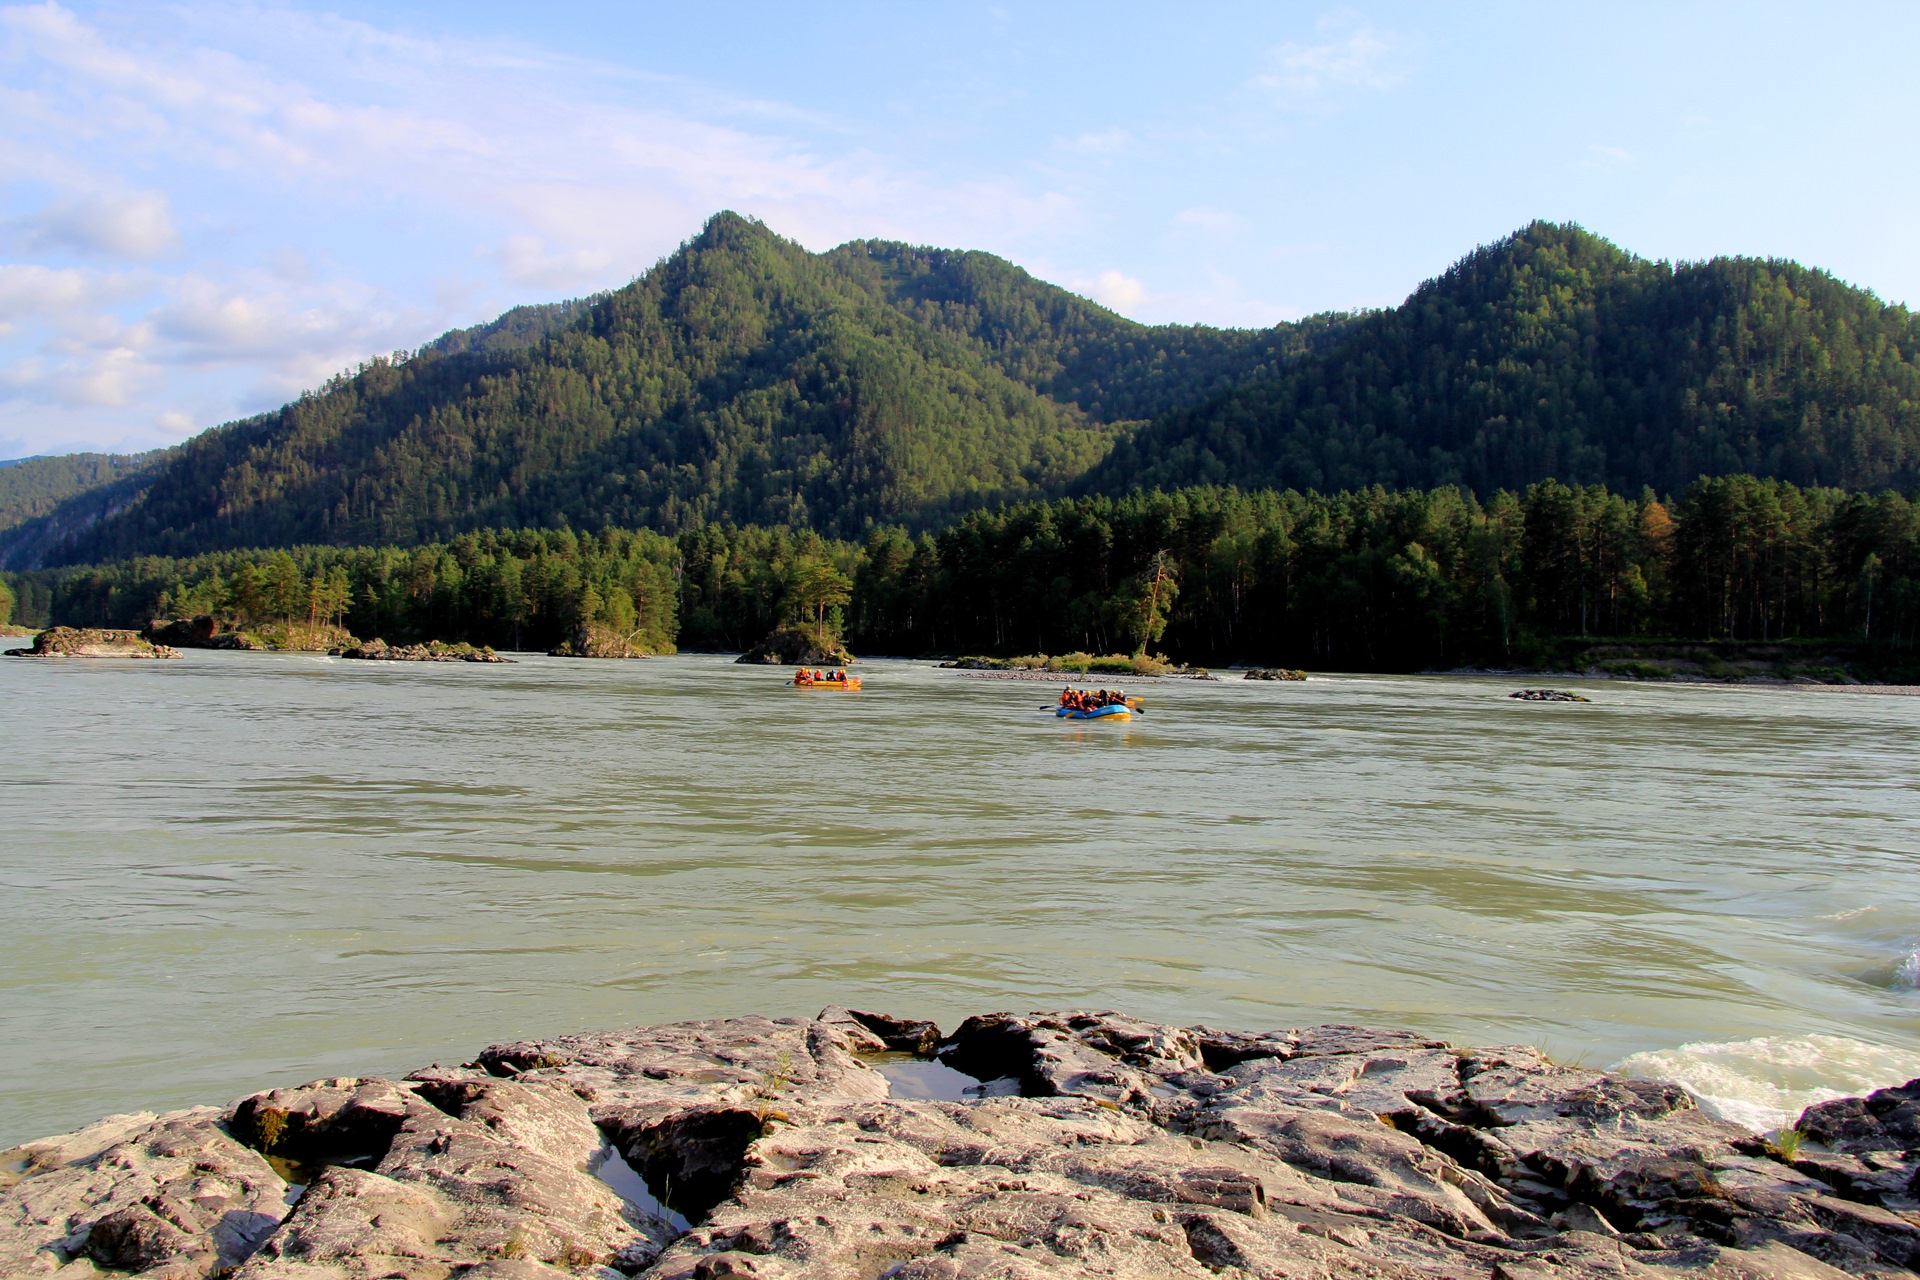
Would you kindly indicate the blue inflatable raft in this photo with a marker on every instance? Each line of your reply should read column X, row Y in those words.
column 1116, row 711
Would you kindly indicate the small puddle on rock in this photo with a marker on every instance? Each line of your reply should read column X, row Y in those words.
column 612, row 1168
column 929, row 1079
column 298, row 1174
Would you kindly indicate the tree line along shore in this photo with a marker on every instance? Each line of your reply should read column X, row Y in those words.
column 1735, row 575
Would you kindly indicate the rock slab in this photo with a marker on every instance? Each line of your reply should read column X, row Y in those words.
column 1098, row 1145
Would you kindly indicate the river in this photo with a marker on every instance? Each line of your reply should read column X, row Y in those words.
column 243, row 870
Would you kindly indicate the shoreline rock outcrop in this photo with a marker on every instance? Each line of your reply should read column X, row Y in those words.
column 92, row 642
column 1085, row 1144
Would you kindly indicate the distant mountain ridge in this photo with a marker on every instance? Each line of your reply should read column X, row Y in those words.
column 745, row 379
column 1555, row 353
column 32, row 487
column 46, row 502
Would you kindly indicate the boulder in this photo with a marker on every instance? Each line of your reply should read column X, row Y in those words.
column 1274, row 673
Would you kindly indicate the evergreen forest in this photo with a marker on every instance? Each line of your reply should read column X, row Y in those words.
column 34, row 487
column 1369, row 579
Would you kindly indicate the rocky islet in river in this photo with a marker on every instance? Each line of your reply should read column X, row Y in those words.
column 600, row 642
column 1109, row 1146
column 798, row 644
column 378, row 650
column 90, row 642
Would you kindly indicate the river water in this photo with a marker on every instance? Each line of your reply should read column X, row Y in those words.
column 242, row 870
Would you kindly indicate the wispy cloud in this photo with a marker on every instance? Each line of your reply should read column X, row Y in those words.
column 136, row 224
column 202, row 141
column 1105, row 142
column 1348, row 56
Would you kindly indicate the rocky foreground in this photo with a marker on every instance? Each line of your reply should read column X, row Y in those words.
column 1106, row 1147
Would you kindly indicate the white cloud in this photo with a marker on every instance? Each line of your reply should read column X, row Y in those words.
column 1357, row 58
column 30, row 289
column 499, row 174
column 79, row 338
column 546, row 146
column 1114, row 289
column 137, row 224
column 107, row 377
column 528, row 260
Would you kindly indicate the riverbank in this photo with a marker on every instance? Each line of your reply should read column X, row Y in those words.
column 1071, row 1144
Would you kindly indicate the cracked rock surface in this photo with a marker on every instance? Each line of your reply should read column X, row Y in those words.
column 1103, row 1146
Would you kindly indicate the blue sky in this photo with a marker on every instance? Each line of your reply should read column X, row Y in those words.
column 207, row 208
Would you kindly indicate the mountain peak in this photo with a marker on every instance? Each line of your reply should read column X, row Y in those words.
column 745, row 379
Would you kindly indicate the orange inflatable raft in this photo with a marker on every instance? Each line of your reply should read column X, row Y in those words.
column 825, row 680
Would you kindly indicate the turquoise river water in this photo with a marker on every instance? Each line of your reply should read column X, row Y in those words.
column 242, row 870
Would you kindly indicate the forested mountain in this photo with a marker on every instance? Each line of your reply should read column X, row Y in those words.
column 47, row 504
column 746, row 380
column 742, row 379
column 513, row 330
column 1554, row 353
column 31, row 487
column 1068, row 348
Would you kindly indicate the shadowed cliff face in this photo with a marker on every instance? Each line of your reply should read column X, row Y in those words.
column 1099, row 1145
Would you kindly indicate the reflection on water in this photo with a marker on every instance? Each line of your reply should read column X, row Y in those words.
column 928, row 1078
column 612, row 1168
column 240, row 870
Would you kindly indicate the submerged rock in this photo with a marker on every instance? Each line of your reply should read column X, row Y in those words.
column 1103, row 1146
column 92, row 642
column 1547, row 695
